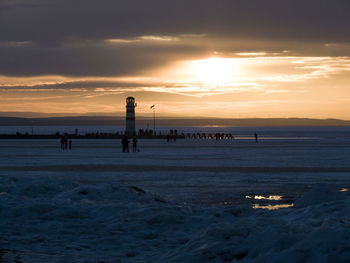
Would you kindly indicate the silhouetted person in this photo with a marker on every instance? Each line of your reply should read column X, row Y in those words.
column 256, row 137
column 125, row 144
column 76, row 132
column 134, row 145
column 174, row 138
column 168, row 138
column 65, row 142
column 62, row 142
column 70, row 144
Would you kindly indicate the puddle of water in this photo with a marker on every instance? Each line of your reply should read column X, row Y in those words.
column 269, row 198
column 260, row 197
column 272, row 207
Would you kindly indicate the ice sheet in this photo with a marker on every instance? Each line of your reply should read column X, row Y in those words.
column 175, row 202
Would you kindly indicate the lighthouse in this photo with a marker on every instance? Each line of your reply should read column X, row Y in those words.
column 130, row 116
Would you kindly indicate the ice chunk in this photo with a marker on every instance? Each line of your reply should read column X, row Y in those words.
column 319, row 195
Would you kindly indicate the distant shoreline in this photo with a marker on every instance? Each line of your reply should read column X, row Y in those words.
column 172, row 122
column 72, row 136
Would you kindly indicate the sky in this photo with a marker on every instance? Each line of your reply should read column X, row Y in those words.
column 190, row 58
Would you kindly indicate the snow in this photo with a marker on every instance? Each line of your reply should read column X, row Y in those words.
column 180, row 202
column 318, row 195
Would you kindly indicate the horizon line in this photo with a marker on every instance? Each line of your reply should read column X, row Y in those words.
column 49, row 116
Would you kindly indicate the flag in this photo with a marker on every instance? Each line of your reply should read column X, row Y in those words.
column 152, row 106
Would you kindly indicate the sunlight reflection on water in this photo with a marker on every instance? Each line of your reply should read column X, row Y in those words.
column 272, row 207
column 270, row 198
column 260, row 197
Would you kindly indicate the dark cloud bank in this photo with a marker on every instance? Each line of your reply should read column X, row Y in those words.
column 67, row 37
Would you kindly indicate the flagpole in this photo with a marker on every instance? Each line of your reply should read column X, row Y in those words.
column 154, row 121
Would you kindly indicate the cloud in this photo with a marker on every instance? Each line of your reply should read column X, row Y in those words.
column 133, row 56
column 117, row 38
column 289, row 19
column 158, row 38
column 94, row 57
column 104, row 49
column 15, row 43
column 142, row 39
column 260, row 75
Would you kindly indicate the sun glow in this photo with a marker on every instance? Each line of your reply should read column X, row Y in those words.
column 215, row 70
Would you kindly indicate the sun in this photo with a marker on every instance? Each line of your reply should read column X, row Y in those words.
column 215, row 70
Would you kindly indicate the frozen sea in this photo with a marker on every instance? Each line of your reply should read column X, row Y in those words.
column 283, row 199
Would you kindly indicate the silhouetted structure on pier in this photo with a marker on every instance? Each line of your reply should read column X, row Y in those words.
column 130, row 117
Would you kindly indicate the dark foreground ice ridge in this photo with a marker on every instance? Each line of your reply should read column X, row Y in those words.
column 57, row 220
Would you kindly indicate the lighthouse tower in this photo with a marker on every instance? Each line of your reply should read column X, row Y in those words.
column 130, row 116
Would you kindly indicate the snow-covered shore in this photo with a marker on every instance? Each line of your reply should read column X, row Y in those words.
column 185, row 202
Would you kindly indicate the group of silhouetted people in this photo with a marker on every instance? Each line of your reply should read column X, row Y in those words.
column 217, row 136
column 65, row 143
column 125, row 144
column 170, row 138
column 203, row 135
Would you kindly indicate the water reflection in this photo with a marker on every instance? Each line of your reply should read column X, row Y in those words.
column 344, row 190
column 260, row 197
column 273, row 207
column 264, row 200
